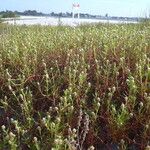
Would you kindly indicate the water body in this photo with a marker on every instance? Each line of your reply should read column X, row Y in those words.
column 31, row 20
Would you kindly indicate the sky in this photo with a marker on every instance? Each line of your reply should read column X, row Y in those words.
column 125, row 8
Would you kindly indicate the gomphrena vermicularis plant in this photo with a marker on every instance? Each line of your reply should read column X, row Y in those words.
column 65, row 88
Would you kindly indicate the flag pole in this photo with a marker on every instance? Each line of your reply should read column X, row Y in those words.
column 72, row 11
column 75, row 6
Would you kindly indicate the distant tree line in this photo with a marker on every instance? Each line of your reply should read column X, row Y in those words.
column 30, row 13
column 8, row 14
column 12, row 14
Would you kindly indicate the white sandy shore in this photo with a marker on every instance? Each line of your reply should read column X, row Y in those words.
column 32, row 20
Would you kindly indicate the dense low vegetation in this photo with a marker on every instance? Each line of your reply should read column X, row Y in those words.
column 65, row 88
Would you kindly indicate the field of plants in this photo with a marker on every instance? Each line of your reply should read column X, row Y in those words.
column 75, row 88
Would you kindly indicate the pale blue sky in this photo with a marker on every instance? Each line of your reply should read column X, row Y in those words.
column 99, row 7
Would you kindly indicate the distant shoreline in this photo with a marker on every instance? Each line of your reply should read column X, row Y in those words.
column 54, row 21
column 102, row 18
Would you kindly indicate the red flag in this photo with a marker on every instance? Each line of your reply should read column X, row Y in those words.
column 76, row 5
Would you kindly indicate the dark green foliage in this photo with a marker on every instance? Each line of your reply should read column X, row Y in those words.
column 8, row 14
